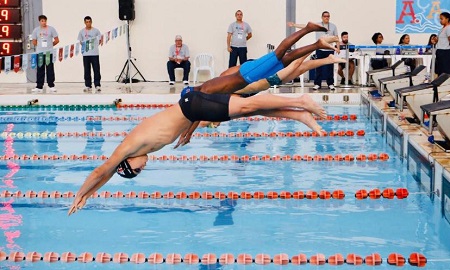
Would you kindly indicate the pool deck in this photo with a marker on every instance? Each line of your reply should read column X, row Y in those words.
column 142, row 92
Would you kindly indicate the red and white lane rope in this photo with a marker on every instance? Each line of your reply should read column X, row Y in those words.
column 223, row 158
column 414, row 259
column 388, row 193
column 336, row 117
column 100, row 134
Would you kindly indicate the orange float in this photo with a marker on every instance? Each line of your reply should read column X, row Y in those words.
column 417, row 259
column 244, row 259
column 318, row 259
column 138, row 258
column 361, row 194
column 226, row 259
column 396, row 259
column 338, row 194
column 262, row 259
column 36, row 256
column 336, row 259
column 191, row 258
column 209, row 258
column 155, row 258
column 388, row 193
column 354, row 259
column 173, row 258
column 299, row 259
column 373, row 259
column 103, row 257
column 401, row 193
column 375, row 193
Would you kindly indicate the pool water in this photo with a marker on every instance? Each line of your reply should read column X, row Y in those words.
column 166, row 226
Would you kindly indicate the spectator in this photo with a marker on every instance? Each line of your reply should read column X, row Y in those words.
column 326, row 71
column 179, row 58
column 411, row 62
column 377, row 63
column 443, row 45
column 44, row 37
column 238, row 34
column 351, row 61
column 93, row 39
column 432, row 41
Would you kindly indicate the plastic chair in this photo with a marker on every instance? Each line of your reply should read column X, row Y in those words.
column 203, row 61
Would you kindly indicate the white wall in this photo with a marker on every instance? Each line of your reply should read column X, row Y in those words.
column 203, row 25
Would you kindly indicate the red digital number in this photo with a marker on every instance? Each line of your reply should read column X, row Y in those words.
column 9, row 3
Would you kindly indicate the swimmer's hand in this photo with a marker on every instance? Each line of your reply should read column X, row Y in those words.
column 185, row 137
column 77, row 204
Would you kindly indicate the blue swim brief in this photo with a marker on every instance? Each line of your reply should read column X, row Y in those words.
column 261, row 68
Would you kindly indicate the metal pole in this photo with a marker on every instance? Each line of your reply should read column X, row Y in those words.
column 433, row 62
column 129, row 55
column 347, row 66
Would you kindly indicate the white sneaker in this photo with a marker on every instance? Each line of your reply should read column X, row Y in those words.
column 186, row 82
column 87, row 89
column 331, row 87
column 98, row 88
column 171, row 83
column 316, row 87
column 52, row 89
column 37, row 90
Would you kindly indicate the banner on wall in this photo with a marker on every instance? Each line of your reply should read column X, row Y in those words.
column 419, row 16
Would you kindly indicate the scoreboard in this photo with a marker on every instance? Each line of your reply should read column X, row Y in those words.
column 10, row 28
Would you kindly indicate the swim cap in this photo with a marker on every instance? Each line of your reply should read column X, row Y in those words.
column 186, row 90
column 124, row 169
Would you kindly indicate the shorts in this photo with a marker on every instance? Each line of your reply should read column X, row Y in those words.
column 198, row 106
column 442, row 62
column 261, row 68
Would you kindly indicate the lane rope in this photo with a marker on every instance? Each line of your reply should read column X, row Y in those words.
column 414, row 259
column 101, row 134
column 245, row 158
column 54, row 119
column 388, row 193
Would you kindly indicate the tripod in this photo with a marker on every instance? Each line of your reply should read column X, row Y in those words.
column 126, row 70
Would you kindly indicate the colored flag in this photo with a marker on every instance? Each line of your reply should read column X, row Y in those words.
column 7, row 64
column 40, row 59
column 24, row 61
column 16, row 63
column 54, row 55
column 60, row 54
column 66, row 52
column 34, row 60
column 77, row 49
column 72, row 49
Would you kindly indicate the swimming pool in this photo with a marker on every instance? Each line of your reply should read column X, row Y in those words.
column 200, row 226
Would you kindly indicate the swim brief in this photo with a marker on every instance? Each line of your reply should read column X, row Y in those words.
column 198, row 106
column 260, row 68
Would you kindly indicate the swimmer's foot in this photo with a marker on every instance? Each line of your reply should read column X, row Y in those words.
column 333, row 59
column 324, row 42
column 314, row 27
column 311, row 106
column 308, row 119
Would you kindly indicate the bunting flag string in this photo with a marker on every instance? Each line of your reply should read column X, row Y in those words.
column 34, row 60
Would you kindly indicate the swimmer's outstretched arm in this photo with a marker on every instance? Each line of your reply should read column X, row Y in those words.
column 185, row 137
column 98, row 177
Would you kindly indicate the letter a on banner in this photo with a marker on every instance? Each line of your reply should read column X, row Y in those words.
column 16, row 63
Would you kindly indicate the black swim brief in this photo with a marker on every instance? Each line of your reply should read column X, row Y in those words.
column 198, row 106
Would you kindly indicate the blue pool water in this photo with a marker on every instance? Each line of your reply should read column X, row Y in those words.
column 212, row 226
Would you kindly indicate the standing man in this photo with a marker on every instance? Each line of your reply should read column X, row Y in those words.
column 325, row 72
column 92, row 38
column 44, row 37
column 351, row 61
column 238, row 34
column 178, row 58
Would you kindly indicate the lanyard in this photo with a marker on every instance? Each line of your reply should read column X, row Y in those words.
column 177, row 50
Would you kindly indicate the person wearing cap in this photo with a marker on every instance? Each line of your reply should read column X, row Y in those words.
column 178, row 58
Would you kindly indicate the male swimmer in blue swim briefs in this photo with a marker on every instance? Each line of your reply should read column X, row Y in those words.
column 163, row 128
